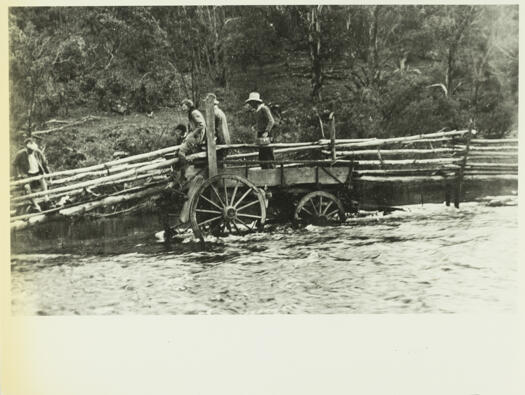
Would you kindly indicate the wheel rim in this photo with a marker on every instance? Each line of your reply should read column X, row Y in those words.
column 319, row 208
column 227, row 204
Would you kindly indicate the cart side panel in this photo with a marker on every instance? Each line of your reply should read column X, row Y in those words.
column 290, row 176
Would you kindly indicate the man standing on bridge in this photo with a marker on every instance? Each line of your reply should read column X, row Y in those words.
column 264, row 124
column 221, row 132
column 31, row 162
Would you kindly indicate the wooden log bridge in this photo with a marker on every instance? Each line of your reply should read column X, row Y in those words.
column 448, row 158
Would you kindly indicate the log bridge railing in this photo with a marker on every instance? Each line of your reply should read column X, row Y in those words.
column 449, row 158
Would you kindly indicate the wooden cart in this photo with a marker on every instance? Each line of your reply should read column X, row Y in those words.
column 243, row 196
column 238, row 195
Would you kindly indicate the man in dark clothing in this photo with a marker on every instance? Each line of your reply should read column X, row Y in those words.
column 31, row 162
column 264, row 124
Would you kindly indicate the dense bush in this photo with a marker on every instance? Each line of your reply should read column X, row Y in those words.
column 385, row 70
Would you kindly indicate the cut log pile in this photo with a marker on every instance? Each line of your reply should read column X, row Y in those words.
column 439, row 156
column 77, row 191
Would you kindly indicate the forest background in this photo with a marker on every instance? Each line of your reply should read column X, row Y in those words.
column 383, row 70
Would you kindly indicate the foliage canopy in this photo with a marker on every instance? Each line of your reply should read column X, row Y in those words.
column 384, row 69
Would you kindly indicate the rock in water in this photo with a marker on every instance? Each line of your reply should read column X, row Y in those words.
column 160, row 235
column 503, row 201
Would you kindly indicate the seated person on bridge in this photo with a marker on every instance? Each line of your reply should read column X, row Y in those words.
column 191, row 144
column 180, row 133
column 31, row 162
column 264, row 124
column 197, row 128
column 221, row 132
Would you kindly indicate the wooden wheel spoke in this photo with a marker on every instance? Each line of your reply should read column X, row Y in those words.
column 249, row 216
column 217, row 194
column 243, row 223
column 327, row 207
column 209, row 221
column 225, row 192
column 211, row 202
column 305, row 209
column 236, row 227
column 320, row 205
column 248, row 205
column 235, row 191
column 332, row 213
column 242, row 198
column 201, row 210
column 313, row 205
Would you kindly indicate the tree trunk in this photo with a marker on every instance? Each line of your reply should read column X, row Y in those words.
column 465, row 21
column 375, row 48
column 194, row 83
column 449, row 78
column 314, row 41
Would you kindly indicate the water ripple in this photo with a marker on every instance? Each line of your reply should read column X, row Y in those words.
column 430, row 259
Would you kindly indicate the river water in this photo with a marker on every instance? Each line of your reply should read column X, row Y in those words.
column 427, row 259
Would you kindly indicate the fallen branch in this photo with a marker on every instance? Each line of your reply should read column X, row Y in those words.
column 74, row 123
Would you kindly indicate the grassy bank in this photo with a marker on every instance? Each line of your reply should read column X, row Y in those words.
column 97, row 140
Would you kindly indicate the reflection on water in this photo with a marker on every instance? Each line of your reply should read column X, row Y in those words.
column 430, row 259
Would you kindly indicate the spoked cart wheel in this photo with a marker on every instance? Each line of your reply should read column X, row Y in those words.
column 319, row 208
column 227, row 204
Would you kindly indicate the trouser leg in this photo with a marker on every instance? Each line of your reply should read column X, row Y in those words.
column 28, row 190
column 43, row 184
column 195, row 183
column 266, row 154
column 221, row 155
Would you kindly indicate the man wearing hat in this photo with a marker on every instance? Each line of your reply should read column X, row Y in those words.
column 195, row 137
column 221, row 132
column 264, row 123
column 31, row 162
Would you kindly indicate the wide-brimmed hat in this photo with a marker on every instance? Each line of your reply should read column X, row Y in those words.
column 188, row 102
column 254, row 96
column 31, row 144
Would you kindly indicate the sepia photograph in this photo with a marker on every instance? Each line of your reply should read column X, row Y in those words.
column 262, row 160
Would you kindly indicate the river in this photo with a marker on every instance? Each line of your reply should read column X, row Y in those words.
column 427, row 259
